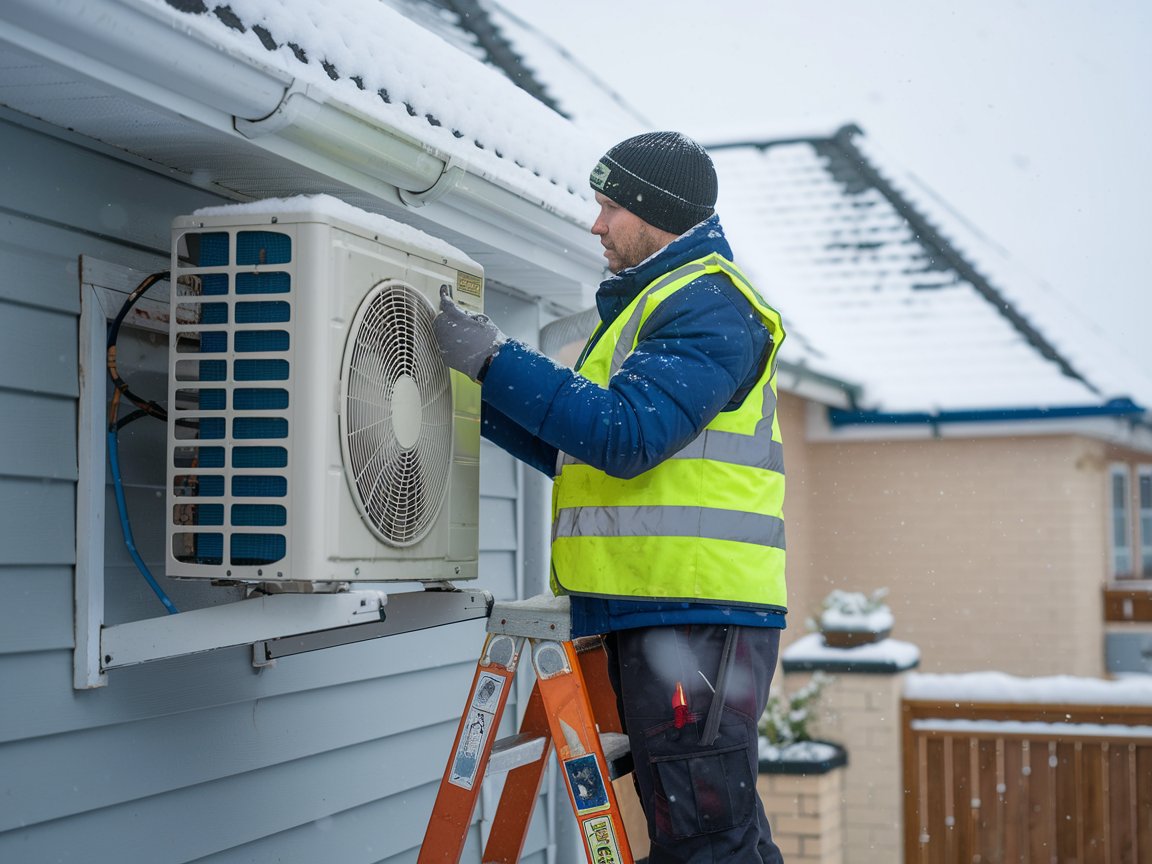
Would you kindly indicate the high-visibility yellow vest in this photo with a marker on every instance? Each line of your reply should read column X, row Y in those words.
column 707, row 523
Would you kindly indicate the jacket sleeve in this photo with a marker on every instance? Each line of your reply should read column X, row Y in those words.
column 698, row 348
column 509, row 435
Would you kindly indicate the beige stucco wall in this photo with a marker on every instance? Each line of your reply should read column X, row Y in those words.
column 799, row 519
column 993, row 549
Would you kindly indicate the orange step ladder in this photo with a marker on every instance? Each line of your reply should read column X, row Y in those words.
column 572, row 709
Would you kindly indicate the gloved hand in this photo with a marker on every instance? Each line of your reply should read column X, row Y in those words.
column 466, row 339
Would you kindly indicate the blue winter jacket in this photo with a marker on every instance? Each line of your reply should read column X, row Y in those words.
column 699, row 353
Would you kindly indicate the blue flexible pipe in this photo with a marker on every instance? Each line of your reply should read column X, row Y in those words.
column 118, row 486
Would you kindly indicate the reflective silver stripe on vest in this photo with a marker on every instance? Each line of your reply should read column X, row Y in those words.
column 735, row 449
column 632, row 326
column 754, row 451
column 655, row 521
column 758, row 450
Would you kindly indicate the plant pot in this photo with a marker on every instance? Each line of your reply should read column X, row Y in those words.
column 852, row 638
column 808, row 757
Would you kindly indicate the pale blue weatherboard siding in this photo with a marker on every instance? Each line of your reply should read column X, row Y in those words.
column 331, row 756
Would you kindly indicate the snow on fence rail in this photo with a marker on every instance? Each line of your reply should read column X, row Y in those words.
column 998, row 768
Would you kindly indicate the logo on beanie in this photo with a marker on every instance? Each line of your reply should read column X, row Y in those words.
column 599, row 178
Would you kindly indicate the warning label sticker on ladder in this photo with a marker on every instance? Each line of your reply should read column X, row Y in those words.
column 601, row 840
column 477, row 729
column 587, row 783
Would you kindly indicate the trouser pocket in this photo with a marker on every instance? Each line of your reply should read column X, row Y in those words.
column 702, row 792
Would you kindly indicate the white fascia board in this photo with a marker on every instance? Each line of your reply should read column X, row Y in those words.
column 128, row 46
column 1113, row 430
column 817, row 387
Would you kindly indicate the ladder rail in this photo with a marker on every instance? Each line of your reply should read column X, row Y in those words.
column 571, row 704
column 468, row 760
column 576, row 739
column 521, row 790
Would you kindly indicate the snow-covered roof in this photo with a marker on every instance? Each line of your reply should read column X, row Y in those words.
column 394, row 106
column 892, row 290
column 576, row 91
column 383, row 59
column 879, row 285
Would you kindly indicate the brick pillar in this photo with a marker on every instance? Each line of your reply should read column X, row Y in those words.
column 860, row 710
column 806, row 812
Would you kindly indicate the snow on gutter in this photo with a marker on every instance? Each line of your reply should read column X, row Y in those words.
column 192, row 65
column 1120, row 408
column 1119, row 421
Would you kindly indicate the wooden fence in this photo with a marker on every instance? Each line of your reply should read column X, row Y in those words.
column 1026, row 784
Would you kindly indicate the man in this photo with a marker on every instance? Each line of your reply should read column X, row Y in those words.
column 665, row 450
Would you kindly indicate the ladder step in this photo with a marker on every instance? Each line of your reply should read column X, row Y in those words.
column 540, row 617
column 617, row 753
column 514, row 751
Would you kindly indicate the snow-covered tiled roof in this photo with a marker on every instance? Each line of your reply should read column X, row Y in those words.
column 407, row 65
column 880, row 285
column 892, row 291
column 576, row 91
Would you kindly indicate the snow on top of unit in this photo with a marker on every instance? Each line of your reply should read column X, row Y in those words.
column 328, row 206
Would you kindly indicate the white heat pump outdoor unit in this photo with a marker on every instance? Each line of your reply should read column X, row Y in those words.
column 314, row 433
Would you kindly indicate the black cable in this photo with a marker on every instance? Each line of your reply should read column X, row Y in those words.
column 145, row 408
column 146, row 405
column 128, row 418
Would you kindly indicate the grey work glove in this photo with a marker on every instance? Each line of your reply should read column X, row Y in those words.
column 467, row 340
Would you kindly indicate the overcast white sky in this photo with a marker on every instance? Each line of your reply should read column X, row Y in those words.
column 1032, row 118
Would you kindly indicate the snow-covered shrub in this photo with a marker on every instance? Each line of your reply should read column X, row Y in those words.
column 785, row 719
column 854, row 610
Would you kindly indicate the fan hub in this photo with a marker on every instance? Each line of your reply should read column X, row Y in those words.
column 407, row 413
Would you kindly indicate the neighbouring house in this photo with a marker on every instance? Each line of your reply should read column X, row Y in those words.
column 994, row 467
column 117, row 116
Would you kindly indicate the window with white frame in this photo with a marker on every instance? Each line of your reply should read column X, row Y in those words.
column 1144, row 502
column 1121, row 525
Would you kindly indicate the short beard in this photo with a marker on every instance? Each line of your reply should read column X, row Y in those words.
column 649, row 241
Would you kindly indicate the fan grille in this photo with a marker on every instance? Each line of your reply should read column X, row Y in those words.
column 397, row 414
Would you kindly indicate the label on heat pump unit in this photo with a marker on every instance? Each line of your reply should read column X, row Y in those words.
column 477, row 729
column 466, row 283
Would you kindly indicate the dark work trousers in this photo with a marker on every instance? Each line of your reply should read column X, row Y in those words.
column 700, row 800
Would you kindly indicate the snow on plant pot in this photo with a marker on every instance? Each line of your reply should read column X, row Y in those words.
column 786, row 743
column 850, row 618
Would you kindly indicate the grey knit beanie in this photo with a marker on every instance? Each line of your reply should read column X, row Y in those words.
column 665, row 178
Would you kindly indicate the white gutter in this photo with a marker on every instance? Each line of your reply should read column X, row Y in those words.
column 134, row 47
column 399, row 169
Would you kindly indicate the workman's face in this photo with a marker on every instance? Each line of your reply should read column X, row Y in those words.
column 627, row 239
